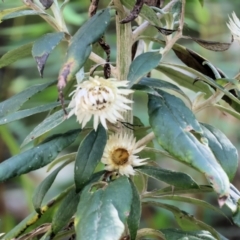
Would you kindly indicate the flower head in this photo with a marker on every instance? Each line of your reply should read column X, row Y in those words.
column 100, row 98
column 234, row 26
column 119, row 154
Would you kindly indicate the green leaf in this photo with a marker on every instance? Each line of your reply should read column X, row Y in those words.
column 28, row 112
column 222, row 148
column 89, row 155
column 16, row 54
column 149, row 232
column 141, row 65
column 36, row 157
column 161, row 84
column 43, row 188
column 22, row 13
column 102, row 212
column 10, row 10
column 80, row 45
column 15, row 102
column 43, row 47
column 186, row 221
column 177, row 179
column 68, row 207
column 48, row 123
column 190, row 235
column 185, row 77
column 228, row 110
column 146, row 12
column 65, row 211
column 135, row 213
column 175, row 128
column 190, row 200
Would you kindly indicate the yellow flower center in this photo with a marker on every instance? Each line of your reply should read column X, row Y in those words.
column 120, row 156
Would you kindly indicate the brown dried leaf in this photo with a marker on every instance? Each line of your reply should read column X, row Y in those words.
column 212, row 45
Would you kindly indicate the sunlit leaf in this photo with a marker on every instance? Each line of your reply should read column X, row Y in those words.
column 222, row 148
column 175, row 128
column 15, row 102
column 10, row 10
column 89, row 155
column 43, row 47
column 36, row 157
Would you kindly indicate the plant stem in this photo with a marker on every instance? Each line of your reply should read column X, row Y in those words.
column 124, row 49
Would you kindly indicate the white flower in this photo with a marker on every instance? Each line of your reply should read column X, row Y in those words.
column 234, row 26
column 100, row 98
column 119, row 154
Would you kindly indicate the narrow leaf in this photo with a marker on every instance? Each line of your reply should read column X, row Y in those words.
column 36, row 157
column 222, row 148
column 146, row 12
column 16, row 54
column 43, row 188
column 28, row 112
column 135, row 213
column 22, row 13
column 10, row 10
column 89, row 155
column 213, row 46
column 80, row 45
column 43, row 47
column 177, row 179
column 49, row 123
column 142, row 65
column 15, row 102
column 175, row 128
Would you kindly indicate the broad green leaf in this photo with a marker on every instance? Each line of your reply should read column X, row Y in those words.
column 36, row 219
column 185, row 77
column 102, row 212
column 135, row 213
column 176, row 179
column 186, row 221
column 28, row 112
column 43, row 47
column 48, row 123
column 172, row 233
column 10, row 10
column 36, row 157
column 22, row 13
column 141, row 65
column 15, row 102
column 146, row 12
column 43, row 188
column 68, row 207
column 16, row 54
column 222, row 148
column 175, row 128
column 80, row 45
column 89, row 155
